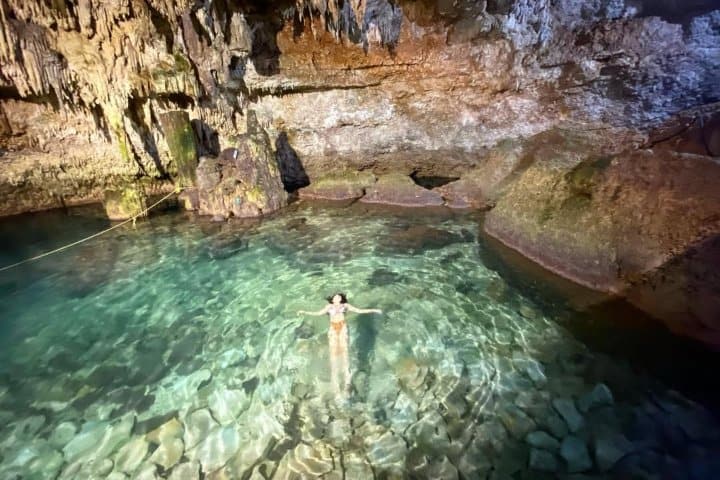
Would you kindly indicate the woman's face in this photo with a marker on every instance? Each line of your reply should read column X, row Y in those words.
column 336, row 299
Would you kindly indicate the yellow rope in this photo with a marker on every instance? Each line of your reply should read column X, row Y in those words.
column 65, row 247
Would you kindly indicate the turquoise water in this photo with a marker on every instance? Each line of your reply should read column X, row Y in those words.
column 174, row 350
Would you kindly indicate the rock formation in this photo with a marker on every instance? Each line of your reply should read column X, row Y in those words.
column 99, row 97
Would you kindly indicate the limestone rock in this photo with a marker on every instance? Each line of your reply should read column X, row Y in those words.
column 62, row 434
column 198, row 425
column 566, row 408
column 540, row 439
column 339, row 186
column 574, row 450
column 180, row 139
column 543, row 460
column 599, row 396
column 219, row 446
column 125, row 203
column 609, row 448
column 586, row 217
column 516, row 422
column 185, row 471
column 131, row 455
column 398, row 189
column 241, row 182
column 225, row 405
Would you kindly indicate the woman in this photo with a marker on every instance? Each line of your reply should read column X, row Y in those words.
column 338, row 337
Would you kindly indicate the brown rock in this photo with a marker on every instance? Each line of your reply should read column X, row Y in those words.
column 343, row 186
column 241, row 182
column 479, row 187
column 624, row 225
column 397, row 189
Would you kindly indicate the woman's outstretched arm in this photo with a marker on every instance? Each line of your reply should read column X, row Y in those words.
column 318, row 313
column 362, row 310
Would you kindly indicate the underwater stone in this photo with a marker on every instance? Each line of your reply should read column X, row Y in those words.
column 131, row 455
column 540, row 439
column 185, row 471
column 62, row 434
column 543, row 460
column 598, row 397
column 219, row 446
column 86, row 440
column 168, row 452
column 574, row 450
column 147, row 472
column 311, row 460
column 225, row 405
column 385, row 450
column 609, row 448
column 198, row 425
column 516, row 421
column 566, row 408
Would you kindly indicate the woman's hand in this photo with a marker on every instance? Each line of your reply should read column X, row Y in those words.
column 376, row 310
column 301, row 312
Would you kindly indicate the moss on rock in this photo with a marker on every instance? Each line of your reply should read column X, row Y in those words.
column 125, row 202
column 180, row 139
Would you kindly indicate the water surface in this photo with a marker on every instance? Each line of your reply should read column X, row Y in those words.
column 174, row 350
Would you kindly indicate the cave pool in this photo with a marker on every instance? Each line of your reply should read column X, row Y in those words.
column 174, row 350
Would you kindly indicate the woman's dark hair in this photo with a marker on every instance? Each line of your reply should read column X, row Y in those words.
column 343, row 297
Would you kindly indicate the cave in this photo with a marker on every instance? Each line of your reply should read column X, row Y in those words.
column 359, row 239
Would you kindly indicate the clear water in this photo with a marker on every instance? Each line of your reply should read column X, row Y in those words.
column 174, row 350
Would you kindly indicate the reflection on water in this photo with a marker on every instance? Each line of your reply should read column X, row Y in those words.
column 173, row 350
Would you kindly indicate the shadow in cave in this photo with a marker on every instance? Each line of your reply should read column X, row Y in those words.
column 291, row 168
column 207, row 138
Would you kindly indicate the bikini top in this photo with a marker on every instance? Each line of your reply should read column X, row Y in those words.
column 336, row 309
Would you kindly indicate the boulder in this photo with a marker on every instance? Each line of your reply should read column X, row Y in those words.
column 181, row 143
column 597, row 397
column 339, row 186
column 574, row 450
column 242, row 181
column 540, row 439
column 398, row 189
column 566, row 408
column 643, row 225
column 124, row 202
column 543, row 460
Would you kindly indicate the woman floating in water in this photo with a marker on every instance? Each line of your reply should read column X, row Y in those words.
column 338, row 338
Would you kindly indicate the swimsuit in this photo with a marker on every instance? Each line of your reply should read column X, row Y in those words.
column 337, row 310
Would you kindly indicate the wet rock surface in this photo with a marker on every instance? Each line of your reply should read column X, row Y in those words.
column 242, row 182
column 587, row 219
column 400, row 190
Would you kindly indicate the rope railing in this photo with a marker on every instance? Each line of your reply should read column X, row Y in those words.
column 82, row 240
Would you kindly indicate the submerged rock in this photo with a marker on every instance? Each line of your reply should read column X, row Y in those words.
column 215, row 449
column 543, row 460
column 198, row 425
column 566, row 408
column 598, row 397
column 574, row 450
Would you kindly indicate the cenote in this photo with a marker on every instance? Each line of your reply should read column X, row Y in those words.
column 177, row 343
column 516, row 200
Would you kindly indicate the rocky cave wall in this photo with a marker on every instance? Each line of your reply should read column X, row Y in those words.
column 540, row 108
column 423, row 87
